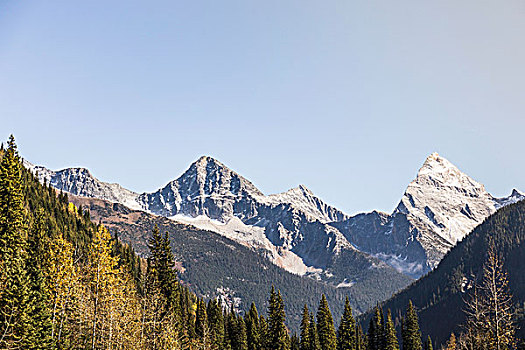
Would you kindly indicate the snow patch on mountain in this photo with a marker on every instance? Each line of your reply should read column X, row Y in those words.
column 250, row 236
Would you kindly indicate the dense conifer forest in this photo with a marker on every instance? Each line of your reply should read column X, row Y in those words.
column 66, row 283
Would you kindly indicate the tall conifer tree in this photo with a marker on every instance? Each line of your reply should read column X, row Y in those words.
column 305, row 341
column 201, row 320
column 40, row 327
column 216, row 323
column 276, row 327
column 376, row 334
column 14, row 308
column 428, row 344
column 360, row 339
column 346, row 339
column 252, row 329
column 390, row 342
column 315, row 344
column 410, row 330
column 325, row 326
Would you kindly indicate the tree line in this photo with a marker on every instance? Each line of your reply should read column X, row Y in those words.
column 66, row 283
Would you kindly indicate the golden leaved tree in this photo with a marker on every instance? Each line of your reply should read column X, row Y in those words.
column 490, row 312
column 111, row 310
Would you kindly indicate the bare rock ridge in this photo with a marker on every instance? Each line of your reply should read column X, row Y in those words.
column 303, row 234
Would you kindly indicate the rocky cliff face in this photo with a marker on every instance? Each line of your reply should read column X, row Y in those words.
column 301, row 233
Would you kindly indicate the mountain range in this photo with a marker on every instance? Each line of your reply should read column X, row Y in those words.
column 302, row 234
column 296, row 229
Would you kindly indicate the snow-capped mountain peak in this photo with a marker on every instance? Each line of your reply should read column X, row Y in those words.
column 439, row 172
column 443, row 204
column 298, row 230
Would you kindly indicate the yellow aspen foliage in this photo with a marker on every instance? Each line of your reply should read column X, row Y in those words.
column 72, row 208
column 63, row 280
column 451, row 344
column 112, row 312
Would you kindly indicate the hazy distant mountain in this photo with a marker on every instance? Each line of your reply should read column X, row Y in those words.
column 301, row 233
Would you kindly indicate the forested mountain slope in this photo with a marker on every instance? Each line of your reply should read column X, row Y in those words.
column 215, row 266
column 440, row 296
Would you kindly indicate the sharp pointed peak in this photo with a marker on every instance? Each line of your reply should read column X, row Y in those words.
column 435, row 157
column 436, row 163
column 304, row 189
column 300, row 189
column 206, row 159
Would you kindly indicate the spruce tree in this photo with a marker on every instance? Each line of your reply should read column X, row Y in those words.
column 40, row 327
column 14, row 281
column 216, row 323
column 360, row 339
column 410, row 330
column 295, row 343
column 376, row 334
column 346, row 339
column 305, row 342
column 252, row 329
column 264, row 333
column 325, row 326
column 242, row 342
column 390, row 342
column 314, row 335
column 428, row 344
column 201, row 320
column 278, row 333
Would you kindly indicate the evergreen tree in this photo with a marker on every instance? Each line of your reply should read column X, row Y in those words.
column 241, row 338
column 14, row 294
column 360, row 339
column 325, row 326
column 216, row 323
column 201, row 320
column 252, row 329
column 166, row 320
column 40, row 327
column 264, row 333
column 390, row 342
column 410, row 330
column 295, row 343
column 236, row 331
column 428, row 344
column 277, row 330
column 376, row 332
column 315, row 344
column 305, row 342
column 346, row 339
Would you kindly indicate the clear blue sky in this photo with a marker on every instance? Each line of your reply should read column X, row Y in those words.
column 346, row 97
